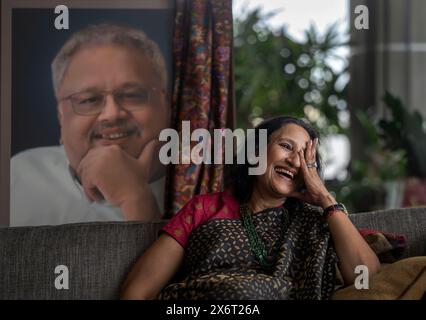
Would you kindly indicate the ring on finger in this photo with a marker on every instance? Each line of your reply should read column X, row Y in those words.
column 312, row 165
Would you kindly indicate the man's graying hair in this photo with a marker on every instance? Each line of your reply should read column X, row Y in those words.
column 108, row 34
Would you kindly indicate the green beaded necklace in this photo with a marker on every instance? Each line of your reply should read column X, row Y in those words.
column 256, row 244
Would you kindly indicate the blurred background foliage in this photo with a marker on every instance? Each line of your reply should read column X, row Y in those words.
column 277, row 75
column 396, row 152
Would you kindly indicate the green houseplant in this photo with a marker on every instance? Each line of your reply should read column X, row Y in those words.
column 394, row 172
column 406, row 130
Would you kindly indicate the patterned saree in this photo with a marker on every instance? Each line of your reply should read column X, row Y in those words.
column 219, row 263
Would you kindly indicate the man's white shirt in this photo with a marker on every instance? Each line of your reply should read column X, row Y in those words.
column 44, row 191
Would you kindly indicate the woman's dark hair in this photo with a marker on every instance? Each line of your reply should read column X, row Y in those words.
column 241, row 182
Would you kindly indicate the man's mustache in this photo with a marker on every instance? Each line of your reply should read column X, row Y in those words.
column 119, row 125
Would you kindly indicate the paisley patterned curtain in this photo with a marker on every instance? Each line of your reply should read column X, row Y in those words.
column 202, row 90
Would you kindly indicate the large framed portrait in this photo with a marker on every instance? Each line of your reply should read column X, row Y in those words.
column 38, row 62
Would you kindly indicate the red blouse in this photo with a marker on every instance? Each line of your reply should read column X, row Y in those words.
column 198, row 210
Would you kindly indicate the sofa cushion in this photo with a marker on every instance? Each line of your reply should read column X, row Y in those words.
column 401, row 280
column 389, row 247
column 98, row 257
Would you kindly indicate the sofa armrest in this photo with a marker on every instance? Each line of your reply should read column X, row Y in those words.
column 410, row 222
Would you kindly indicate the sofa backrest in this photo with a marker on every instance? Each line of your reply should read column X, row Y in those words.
column 98, row 256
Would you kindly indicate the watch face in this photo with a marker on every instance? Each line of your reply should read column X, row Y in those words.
column 337, row 206
column 343, row 207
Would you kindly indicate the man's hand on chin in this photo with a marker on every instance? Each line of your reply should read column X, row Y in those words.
column 109, row 173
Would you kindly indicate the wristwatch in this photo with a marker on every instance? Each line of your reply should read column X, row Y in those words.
column 335, row 207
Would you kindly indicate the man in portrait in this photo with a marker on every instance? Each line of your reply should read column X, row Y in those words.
column 110, row 84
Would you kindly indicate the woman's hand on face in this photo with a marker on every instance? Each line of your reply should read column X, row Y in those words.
column 316, row 193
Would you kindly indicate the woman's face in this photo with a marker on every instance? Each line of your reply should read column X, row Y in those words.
column 283, row 174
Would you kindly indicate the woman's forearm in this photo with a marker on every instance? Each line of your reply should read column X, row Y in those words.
column 351, row 247
column 153, row 270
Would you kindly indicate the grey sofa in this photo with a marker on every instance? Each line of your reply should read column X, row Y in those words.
column 99, row 255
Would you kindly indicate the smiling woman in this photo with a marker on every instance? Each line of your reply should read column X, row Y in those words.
column 279, row 235
column 285, row 136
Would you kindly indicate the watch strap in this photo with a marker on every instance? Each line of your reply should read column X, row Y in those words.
column 335, row 207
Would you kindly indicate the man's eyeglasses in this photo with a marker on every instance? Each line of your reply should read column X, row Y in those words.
column 92, row 102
